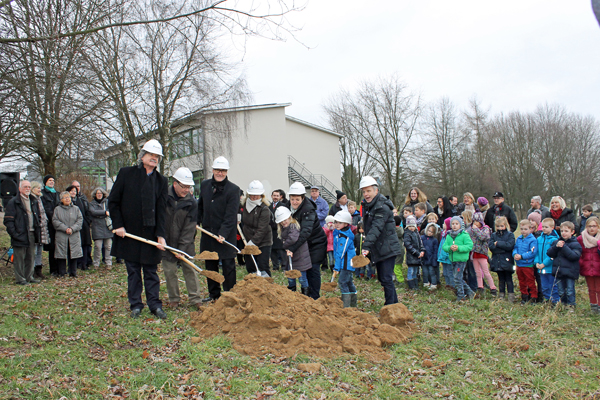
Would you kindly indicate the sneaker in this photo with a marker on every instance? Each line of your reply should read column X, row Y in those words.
column 433, row 287
column 208, row 300
column 160, row 313
column 426, row 285
column 33, row 280
column 136, row 312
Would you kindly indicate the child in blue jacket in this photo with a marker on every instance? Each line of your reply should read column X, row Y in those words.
column 444, row 258
column 343, row 251
column 524, row 254
column 543, row 262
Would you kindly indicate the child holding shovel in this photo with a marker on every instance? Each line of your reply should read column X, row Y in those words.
column 343, row 251
column 288, row 230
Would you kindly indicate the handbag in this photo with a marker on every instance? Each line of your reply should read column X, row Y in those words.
column 108, row 220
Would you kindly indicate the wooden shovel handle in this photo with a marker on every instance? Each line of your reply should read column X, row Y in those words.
column 153, row 243
column 216, row 237
column 334, row 275
column 188, row 262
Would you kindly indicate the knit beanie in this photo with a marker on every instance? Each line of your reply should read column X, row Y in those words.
column 482, row 201
column 460, row 220
column 48, row 177
column 535, row 216
column 478, row 217
column 339, row 194
column 411, row 221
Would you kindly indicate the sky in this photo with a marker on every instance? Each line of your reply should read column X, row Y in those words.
column 512, row 55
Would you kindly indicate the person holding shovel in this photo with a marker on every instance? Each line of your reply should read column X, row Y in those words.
column 381, row 243
column 256, row 221
column 182, row 214
column 217, row 213
column 137, row 205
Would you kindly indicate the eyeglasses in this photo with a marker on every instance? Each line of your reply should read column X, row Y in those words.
column 220, row 171
column 183, row 186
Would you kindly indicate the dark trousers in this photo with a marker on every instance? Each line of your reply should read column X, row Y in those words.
column 313, row 275
column 385, row 270
column 538, row 282
column 505, row 282
column 86, row 260
column 151, row 283
column 214, row 288
column 53, row 262
column 262, row 260
column 278, row 259
column 471, row 276
column 62, row 265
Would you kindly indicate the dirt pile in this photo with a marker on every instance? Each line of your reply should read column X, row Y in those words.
column 264, row 318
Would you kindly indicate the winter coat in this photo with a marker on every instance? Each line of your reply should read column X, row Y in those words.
column 277, row 244
column 97, row 212
column 480, row 238
column 543, row 209
column 301, row 260
column 462, row 207
column 180, row 229
column 526, row 247
column 464, row 243
column 566, row 258
column 589, row 262
column 17, row 221
column 218, row 206
column 257, row 224
column 329, row 234
column 380, row 228
column 446, row 212
column 567, row 215
column 322, row 209
column 125, row 208
column 413, row 203
column 50, row 201
column 541, row 256
column 356, row 218
column 582, row 222
column 431, row 245
column 414, row 246
column 442, row 255
column 501, row 210
column 343, row 249
column 82, row 203
column 44, row 229
column 400, row 235
column 67, row 217
column 311, row 231
column 501, row 245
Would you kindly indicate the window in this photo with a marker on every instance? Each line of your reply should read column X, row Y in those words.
column 187, row 143
column 115, row 163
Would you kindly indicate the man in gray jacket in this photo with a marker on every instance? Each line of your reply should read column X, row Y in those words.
column 182, row 213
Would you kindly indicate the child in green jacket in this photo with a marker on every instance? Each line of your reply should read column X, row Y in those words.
column 458, row 245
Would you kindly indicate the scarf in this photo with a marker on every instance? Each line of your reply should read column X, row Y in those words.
column 556, row 213
column 218, row 187
column 590, row 241
column 148, row 198
column 50, row 189
column 252, row 204
column 470, row 207
column 454, row 234
column 98, row 201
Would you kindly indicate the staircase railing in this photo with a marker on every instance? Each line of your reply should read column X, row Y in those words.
column 309, row 179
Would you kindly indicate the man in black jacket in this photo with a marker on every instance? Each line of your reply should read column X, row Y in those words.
column 137, row 205
column 500, row 210
column 381, row 243
column 22, row 221
column 50, row 200
column 218, row 207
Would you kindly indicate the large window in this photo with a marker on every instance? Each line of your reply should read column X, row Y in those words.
column 115, row 163
column 187, row 143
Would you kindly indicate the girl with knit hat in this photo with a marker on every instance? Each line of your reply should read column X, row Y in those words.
column 480, row 235
column 458, row 245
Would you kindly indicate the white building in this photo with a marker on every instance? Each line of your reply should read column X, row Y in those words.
column 261, row 142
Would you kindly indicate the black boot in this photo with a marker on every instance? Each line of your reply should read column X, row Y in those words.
column 524, row 299
column 37, row 272
column 306, row 291
column 292, row 288
column 353, row 300
column 346, row 299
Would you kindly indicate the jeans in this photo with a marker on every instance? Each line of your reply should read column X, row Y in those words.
column 191, row 282
column 370, row 270
column 549, row 288
column 385, row 270
column 262, row 260
column 359, row 272
column 505, row 281
column 460, row 284
column 345, row 282
column 228, row 265
column 470, row 275
column 100, row 244
column 412, row 272
column 429, row 275
column 313, row 275
column 303, row 281
column 566, row 291
column 151, row 284
column 448, row 274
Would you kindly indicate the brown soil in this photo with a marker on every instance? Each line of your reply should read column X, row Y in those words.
column 293, row 274
column 329, row 286
column 251, row 250
column 264, row 318
column 360, row 261
column 215, row 276
column 207, row 255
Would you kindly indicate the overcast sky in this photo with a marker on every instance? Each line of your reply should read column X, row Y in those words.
column 513, row 54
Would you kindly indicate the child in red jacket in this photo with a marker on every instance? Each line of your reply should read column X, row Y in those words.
column 589, row 263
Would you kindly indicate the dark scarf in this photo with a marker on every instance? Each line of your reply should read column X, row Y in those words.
column 454, row 234
column 148, row 197
column 218, row 187
column 498, row 209
column 556, row 213
column 98, row 201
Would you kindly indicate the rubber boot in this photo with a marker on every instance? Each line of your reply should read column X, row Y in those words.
column 524, row 299
column 511, row 297
column 292, row 288
column 37, row 273
column 501, row 295
column 353, row 300
column 346, row 299
column 306, row 291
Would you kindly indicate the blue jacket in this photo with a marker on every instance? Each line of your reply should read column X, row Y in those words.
column 322, row 209
column 542, row 257
column 343, row 249
column 527, row 248
column 501, row 245
column 442, row 256
column 566, row 258
column 431, row 251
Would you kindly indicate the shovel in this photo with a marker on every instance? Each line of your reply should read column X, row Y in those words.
column 331, row 285
column 290, row 273
column 215, row 276
column 245, row 244
column 153, row 243
column 212, row 235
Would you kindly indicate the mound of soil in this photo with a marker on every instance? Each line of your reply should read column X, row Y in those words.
column 261, row 318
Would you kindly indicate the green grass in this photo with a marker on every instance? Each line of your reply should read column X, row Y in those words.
column 74, row 339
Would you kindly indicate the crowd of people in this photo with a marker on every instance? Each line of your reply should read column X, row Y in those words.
column 415, row 245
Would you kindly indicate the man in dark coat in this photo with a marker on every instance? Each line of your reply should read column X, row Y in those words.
column 137, row 205
column 340, row 205
column 50, row 200
column 500, row 210
column 22, row 221
column 278, row 257
column 218, row 207
column 305, row 212
column 81, row 201
column 381, row 243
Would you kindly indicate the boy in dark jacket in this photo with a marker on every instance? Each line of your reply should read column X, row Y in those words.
column 566, row 253
column 586, row 212
column 415, row 251
column 431, row 266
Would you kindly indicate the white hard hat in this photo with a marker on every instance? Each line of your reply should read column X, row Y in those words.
column 281, row 214
column 220, row 163
column 297, row 188
column 153, row 146
column 367, row 181
column 256, row 188
column 184, row 176
column 343, row 216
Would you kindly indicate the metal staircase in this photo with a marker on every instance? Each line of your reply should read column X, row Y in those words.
column 297, row 172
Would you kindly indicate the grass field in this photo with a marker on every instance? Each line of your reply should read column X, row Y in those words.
column 72, row 339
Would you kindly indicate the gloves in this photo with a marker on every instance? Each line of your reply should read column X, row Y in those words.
column 250, row 243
